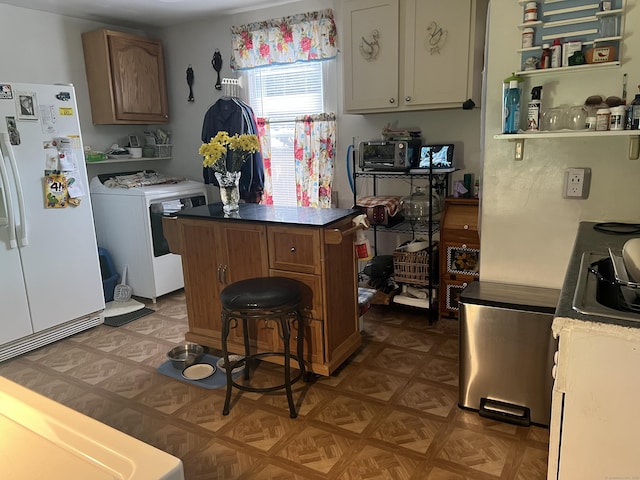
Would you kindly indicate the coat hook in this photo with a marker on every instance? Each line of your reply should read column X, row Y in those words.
column 190, row 83
column 216, row 61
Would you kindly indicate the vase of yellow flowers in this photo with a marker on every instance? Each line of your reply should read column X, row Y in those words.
column 226, row 154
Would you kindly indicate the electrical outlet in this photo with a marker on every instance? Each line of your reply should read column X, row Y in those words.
column 577, row 182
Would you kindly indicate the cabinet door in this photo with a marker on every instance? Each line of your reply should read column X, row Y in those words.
column 597, row 371
column 243, row 254
column 202, row 277
column 371, row 54
column 137, row 68
column 437, row 52
column 216, row 254
column 243, row 248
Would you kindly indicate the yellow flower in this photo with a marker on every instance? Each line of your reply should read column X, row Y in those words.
column 227, row 154
column 245, row 143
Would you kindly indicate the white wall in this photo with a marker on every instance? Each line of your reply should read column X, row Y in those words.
column 194, row 43
column 39, row 47
column 527, row 227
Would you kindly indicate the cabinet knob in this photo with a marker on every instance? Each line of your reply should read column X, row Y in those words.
column 464, row 284
column 464, row 246
column 293, row 249
column 466, row 227
column 407, row 98
column 392, row 100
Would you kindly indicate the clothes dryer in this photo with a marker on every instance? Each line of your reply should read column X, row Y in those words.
column 129, row 225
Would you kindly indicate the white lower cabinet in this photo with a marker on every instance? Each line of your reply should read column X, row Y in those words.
column 594, row 419
column 403, row 55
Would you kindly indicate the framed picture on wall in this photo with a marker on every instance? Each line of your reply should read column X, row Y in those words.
column 26, row 106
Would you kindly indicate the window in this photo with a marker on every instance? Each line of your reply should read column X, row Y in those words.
column 281, row 93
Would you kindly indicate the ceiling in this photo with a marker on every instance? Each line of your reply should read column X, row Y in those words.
column 144, row 13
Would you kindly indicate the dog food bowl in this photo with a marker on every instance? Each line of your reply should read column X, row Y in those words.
column 184, row 356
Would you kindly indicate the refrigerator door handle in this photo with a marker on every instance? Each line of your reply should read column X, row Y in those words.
column 24, row 238
column 4, row 181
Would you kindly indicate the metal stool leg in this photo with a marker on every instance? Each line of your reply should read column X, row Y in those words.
column 300, row 345
column 247, row 350
column 284, row 317
column 286, row 336
column 225, row 353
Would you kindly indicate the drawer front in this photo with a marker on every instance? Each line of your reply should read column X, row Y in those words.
column 312, row 313
column 461, row 217
column 313, row 350
column 294, row 249
column 450, row 291
column 311, row 295
column 460, row 259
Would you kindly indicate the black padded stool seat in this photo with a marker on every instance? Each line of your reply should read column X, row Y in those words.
column 266, row 299
column 264, row 292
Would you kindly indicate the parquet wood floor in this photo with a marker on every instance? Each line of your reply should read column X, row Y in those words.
column 389, row 413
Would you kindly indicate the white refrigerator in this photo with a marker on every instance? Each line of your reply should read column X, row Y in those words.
column 50, row 279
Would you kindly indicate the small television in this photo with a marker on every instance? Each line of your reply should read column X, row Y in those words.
column 440, row 155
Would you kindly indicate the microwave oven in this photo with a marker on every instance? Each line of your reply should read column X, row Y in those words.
column 389, row 155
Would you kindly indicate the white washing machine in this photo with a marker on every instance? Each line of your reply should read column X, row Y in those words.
column 129, row 225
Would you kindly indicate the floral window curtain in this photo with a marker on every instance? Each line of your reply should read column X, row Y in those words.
column 303, row 37
column 314, row 141
column 264, row 136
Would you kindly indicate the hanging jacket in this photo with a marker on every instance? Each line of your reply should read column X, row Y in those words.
column 233, row 116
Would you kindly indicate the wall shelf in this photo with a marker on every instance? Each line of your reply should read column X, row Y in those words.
column 567, row 134
column 574, row 68
column 574, row 21
column 519, row 138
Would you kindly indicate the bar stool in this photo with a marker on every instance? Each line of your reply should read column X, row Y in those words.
column 269, row 299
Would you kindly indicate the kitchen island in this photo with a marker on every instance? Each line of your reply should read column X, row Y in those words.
column 311, row 245
column 594, row 421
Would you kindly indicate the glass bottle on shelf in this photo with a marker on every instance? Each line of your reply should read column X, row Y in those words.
column 545, row 58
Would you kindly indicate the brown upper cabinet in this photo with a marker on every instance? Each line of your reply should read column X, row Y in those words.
column 126, row 78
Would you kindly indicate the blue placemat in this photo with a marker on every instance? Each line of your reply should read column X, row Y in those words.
column 217, row 380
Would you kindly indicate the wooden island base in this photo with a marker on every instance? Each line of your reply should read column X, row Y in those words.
column 312, row 246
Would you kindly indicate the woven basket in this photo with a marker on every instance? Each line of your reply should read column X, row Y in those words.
column 162, row 150
column 411, row 267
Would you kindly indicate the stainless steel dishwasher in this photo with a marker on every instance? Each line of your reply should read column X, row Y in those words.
column 506, row 351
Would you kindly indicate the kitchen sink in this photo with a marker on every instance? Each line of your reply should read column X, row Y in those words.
column 601, row 297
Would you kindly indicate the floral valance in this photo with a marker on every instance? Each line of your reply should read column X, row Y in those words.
column 299, row 38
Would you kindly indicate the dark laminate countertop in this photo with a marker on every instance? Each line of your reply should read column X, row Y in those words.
column 251, row 212
column 589, row 240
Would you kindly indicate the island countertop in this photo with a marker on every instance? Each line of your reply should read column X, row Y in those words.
column 251, row 212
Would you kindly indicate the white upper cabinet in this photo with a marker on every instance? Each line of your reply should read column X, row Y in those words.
column 371, row 54
column 403, row 55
